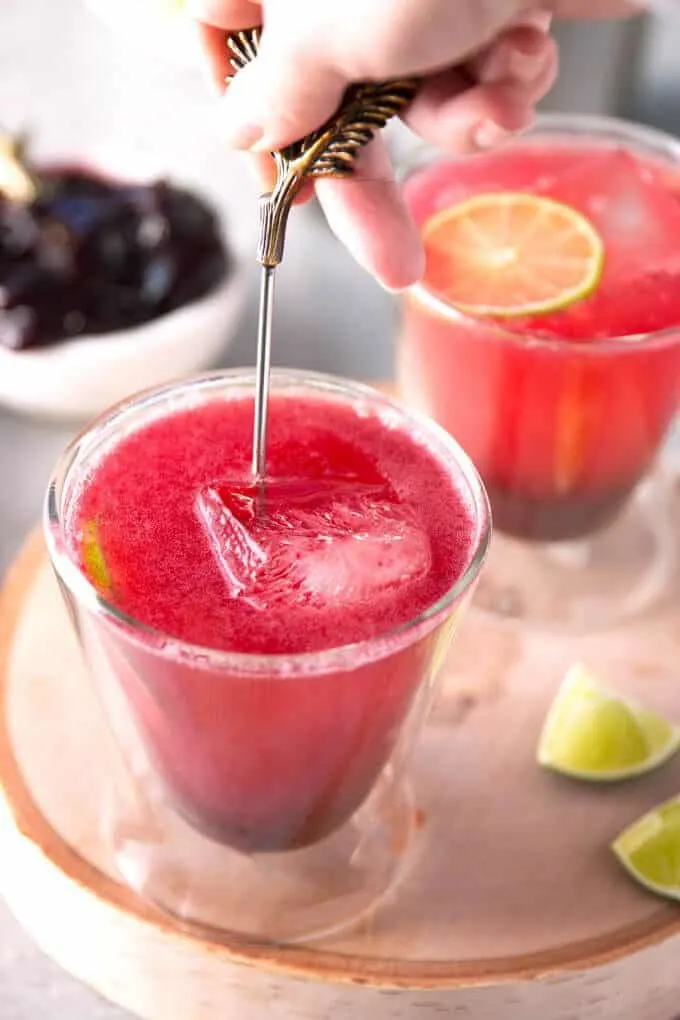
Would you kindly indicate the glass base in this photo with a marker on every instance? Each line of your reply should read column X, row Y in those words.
column 279, row 897
column 623, row 571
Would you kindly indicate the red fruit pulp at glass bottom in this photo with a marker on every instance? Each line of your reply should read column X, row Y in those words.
column 561, row 433
column 271, row 762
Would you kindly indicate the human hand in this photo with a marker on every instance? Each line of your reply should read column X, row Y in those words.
column 483, row 67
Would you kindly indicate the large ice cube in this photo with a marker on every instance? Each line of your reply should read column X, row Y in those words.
column 326, row 542
column 631, row 206
column 238, row 553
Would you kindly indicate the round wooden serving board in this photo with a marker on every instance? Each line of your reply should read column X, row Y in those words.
column 515, row 909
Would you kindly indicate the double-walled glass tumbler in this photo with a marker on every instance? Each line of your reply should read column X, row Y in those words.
column 269, row 793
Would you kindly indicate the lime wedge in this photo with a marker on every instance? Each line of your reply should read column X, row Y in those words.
column 93, row 558
column 650, row 850
column 591, row 733
column 509, row 254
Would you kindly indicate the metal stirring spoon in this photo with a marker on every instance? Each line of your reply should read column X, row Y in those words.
column 328, row 152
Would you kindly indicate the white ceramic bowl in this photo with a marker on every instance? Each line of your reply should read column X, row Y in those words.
column 79, row 378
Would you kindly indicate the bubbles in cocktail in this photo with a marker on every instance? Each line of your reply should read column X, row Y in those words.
column 238, row 553
column 333, row 541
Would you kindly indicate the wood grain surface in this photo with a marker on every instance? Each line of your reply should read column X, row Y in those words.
column 515, row 909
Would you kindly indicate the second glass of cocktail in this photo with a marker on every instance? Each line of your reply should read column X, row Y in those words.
column 546, row 337
column 266, row 656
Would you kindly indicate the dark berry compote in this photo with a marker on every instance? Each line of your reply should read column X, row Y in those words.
column 87, row 255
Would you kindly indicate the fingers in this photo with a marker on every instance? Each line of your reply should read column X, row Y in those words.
column 461, row 120
column 303, row 101
column 215, row 56
column 311, row 51
column 513, row 76
column 250, row 120
column 368, row 214
column 520, row 55
column 212, row 20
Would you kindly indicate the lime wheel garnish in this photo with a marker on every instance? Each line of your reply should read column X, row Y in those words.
column 512, row 254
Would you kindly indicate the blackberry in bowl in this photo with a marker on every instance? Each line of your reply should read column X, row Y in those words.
column 107, row 286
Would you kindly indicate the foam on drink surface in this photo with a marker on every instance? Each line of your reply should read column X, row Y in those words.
column 359, row 529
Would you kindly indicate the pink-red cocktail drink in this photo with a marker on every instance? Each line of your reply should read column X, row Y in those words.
column 269, row 645
column 563, row 413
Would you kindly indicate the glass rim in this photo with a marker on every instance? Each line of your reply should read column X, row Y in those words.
column 603, row 128
column 69, row 573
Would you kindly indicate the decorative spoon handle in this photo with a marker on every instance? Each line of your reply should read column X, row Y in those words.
column 328, row 152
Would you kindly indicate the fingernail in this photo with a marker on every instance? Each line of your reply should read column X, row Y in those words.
column 487, row 135
column 525, row 67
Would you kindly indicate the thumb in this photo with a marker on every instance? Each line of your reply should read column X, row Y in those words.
column 280, row 97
